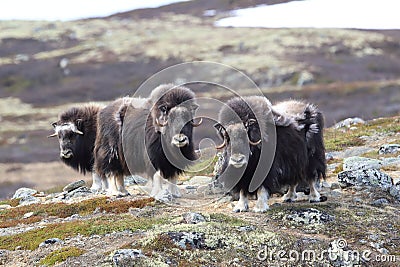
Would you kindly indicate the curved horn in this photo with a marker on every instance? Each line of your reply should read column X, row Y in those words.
column 52, row 135
column 78, row 132
column 197, row 124
column 222, row 145
column 161, row 124
column 254, row 143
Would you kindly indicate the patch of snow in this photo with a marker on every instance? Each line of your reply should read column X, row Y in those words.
column 358, row 14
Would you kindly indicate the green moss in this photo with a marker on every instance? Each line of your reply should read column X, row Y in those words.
column 226, row 219
column 204, row 167
column 11, row 202
column 15, row 83
column 102, row 225
column 12, row 217
column 61, row 255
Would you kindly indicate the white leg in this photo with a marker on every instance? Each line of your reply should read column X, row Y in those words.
column 314, row 194
column 157, row 184
column 96, row 185
column 262, row 200
column 105, row 185
column 291, row 195
column 112, row 190
column 173, row 188
column 243, row 203
column 121, row 186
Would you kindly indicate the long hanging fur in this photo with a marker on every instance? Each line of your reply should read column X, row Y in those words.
column 290, row 160
column 83, row 158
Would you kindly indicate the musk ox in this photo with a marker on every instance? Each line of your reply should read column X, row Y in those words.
column 249, row 128
column 154, row 138
column 76, row 130
column 311, row 121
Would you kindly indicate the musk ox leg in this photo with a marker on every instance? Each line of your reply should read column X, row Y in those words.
column 105, row 185
column 119, row 180
column 113, row 189
column 97, row 183
column 173, row 188
column 262, row 200
column 291, row 195
column 243, row 203
column 314, row 194
column 157, row 184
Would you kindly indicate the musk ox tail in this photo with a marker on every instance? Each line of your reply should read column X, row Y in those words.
column 312, row 123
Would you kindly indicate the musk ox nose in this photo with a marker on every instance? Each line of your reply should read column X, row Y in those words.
column 180, row 140
column 237, row 160
column 66, row 154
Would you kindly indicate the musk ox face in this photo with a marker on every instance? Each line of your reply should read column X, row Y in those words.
column 68, row 137
column 239, row 141
column 174, row 120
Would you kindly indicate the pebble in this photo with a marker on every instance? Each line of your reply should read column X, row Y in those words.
column 51, row 241
column 336, row 193
column 380, row 202
column 74, row 185
column 28, row 215
column 335, row 186
column 5, row 207
column 126, row 257
column 193, row 218
column 357, row 200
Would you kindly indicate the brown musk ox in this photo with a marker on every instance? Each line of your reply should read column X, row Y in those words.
column 311, row 122
column 154, row 138
column 263, row 151
column 76, row 130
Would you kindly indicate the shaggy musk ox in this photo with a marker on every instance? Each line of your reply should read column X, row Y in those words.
column 154, row 138
column 311, row 120
column 248, row 128
column 76, row 131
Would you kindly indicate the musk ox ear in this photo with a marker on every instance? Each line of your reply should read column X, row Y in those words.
column 79, row 123
column 54, row 124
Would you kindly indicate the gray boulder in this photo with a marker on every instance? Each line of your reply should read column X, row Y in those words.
column 74, row 185
column 360, row 163
column 347, row 123
column 309, row 216
column 26, row 196
column 126, row 257
column 193, row 218
column 369, row 177
column 389, row 149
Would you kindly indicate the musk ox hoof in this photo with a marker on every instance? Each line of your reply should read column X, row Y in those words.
column 261, row 208
column 321, row 199
column 241, row 207
column 289, row 200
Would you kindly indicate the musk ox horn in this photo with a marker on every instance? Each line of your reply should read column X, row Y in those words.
column 254, row 143
column 161, row 124
column 78, row 132
column 197, row 124
column 52, row 135
column 221, row 145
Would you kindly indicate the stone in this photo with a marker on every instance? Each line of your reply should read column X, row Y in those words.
column 380, row 202
column 370, row 177
column 74, row 185
column 3, row 257
column 329, row 156
column 79, row 192
column 335, row 186
column 247, row 228
column 395, row 192
column 309, row 216
column 347, row 123
column 187, row 240
column 5, row 207
column 389, row 149
column 24, row 192
column 126, row 257
column 51, row 241
column 337, row 193
column 193, row 218
column 135, row 179
column 28, row 215
column 164, row 196
column 361, row 163
column 357, row 200
column 199, row 180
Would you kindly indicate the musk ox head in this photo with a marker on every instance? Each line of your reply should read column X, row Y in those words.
column 68, row 134
column 172, row 114
column 241, row 130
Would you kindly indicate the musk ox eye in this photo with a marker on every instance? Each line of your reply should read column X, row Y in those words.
column 163, row 109
column 250, row 122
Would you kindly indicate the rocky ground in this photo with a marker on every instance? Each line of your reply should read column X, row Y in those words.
column 358, row 225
